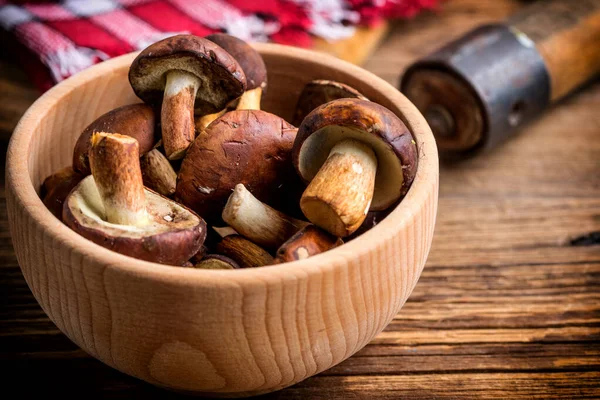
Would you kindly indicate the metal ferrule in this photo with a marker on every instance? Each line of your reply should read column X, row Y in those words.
column 502, row 69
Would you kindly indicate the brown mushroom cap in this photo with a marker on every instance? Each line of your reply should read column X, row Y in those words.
column 372, row 219
column 135, row 120
column 172, row 235
column 251, row 147
column 248, row 58
column 217, row 261
column 222, row 79
column 57, row 187
column 204, row 250
column 369, row 123
column 321, row 91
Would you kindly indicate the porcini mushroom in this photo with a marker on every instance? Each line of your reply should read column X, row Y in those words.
column 112, row 208
column 243, row 252
column 196, row 258
column 217, row 261
column 252, row 147
column 253, row 65
column 258, row 222
column 187, row 73
column 321, row 91
column 356, row 156
column 135, row 120
column 254, row 69
column 57, row 187
column 158, row 173
column 305, row 243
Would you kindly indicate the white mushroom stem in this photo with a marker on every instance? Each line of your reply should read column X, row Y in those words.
column 177, row 114
column 339, row 196
column 115, row 165
column 224, row 231
column 250, row 100
column 257, row 221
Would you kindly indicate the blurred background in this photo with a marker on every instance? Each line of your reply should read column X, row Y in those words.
column 508, row 305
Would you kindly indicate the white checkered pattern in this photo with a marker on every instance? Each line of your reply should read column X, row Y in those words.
column 86, row 8
column 11, row 16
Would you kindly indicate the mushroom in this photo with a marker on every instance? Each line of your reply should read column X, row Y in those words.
column 201, row 123
column 372, row 219
column 252, row 147
column 356, row 156
column 187, row 73
column 158, row 173
column 187, row 264
column 257, row 221
column 112, row 208
column 244, row 252
column 217, row 261
column 135, row 120
column 307, row 242
column 319, row 92
column 196, row 258
column 253, row 65
column 254, row 69
column 224, row 231
column 57, row 187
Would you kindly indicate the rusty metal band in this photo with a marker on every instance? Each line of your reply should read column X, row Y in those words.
column 502, row 67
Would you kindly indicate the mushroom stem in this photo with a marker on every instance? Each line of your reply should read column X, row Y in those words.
column 158, row 173
column 224, row 231
column 115, row 165
column 339, row 196
column 177, row 114
column 244, row 252
column 257, row 221
column 204, row 121
column 250, row 100
column 307, row 242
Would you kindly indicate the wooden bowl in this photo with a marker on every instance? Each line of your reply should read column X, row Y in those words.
column 223, row 333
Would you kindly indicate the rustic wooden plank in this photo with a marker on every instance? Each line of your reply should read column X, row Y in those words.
column 499, row 231
column 406, row 364
column 450, row 386
column 483, row 335
column 500, row 349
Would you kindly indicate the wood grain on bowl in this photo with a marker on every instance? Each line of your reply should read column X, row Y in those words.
column 229, row 332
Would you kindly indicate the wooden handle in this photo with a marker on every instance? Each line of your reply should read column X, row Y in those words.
column 567, row 36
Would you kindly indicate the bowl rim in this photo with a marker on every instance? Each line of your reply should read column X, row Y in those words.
column 19, row 182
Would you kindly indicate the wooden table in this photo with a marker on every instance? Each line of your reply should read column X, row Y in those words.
column 507, row 307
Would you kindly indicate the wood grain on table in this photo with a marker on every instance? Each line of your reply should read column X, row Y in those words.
column 508, row 305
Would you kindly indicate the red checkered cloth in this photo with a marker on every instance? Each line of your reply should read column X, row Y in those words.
column 54, row 40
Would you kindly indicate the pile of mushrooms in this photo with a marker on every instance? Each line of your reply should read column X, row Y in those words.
column 147, row 178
